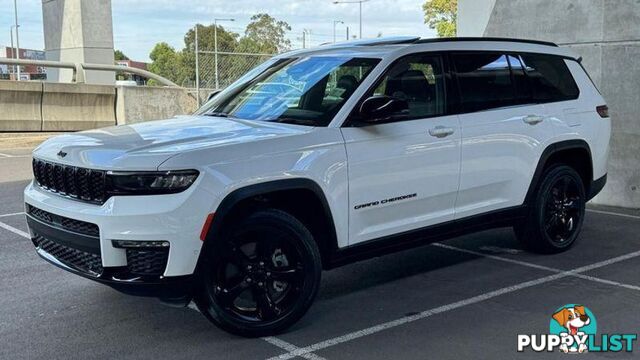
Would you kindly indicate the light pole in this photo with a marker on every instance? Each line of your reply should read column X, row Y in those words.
column 15, row 12
column 359, row 2
column 334, row 28
column 197, row 67
column 13, row 50
column 215, row 46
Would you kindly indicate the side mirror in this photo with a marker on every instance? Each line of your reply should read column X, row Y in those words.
column 213, row 94
column 382, row 108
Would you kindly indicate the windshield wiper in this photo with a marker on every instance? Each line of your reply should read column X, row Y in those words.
column 293, row 121
column 218, row 114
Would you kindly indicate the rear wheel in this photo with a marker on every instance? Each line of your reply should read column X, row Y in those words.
column 555, row 219
column 262, row 276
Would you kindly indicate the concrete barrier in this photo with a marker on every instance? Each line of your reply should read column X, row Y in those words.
column 44, row 106
column 137, row 103
column 69, row 107
column 20, row 103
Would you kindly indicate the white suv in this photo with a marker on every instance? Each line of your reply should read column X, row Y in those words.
column 320, row 157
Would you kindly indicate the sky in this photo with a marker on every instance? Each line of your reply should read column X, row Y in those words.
column 139, row 24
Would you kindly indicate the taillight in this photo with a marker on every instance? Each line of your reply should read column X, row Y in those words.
column 603, row 111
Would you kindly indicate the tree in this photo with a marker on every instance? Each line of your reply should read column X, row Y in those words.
column 227, row 42
column 119, row 55
column 264, row 34
column 166, row 62
column 441, row 15
column 267, row 34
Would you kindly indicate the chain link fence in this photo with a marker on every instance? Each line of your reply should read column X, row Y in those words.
column 215, row 74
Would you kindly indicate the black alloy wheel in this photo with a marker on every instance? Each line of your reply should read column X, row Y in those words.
column 263, row 276
column 556, row 213
column 563, row 209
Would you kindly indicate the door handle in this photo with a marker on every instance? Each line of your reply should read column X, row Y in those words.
column 533, row 119
column 441, row 131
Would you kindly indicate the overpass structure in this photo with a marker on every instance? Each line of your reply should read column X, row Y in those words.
column 607, row 36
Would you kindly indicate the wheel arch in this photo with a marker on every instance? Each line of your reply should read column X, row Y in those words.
column 242, row 199
column 576, row 153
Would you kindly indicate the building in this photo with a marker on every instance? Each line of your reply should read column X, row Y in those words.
column 606, row 34
column 28, row 72
column 133, row 64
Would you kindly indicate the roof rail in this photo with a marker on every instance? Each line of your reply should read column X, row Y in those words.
column 447, row 39
column 391, row 40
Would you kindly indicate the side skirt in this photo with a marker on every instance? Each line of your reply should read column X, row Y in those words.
column 413, row 238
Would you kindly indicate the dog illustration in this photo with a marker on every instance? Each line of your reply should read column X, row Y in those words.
column 572, row 319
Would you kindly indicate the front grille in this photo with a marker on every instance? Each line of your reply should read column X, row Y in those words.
column 84, row 261
column 147, row 261
column 77, row 226
column 76, row 182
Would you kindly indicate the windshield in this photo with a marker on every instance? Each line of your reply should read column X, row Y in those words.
column 306, row 91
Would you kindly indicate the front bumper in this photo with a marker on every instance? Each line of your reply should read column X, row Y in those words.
column 83, row 238
column 62, row 242
column 175, row 289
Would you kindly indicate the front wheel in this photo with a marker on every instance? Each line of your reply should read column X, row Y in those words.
column 261, row 276
column 555, row 219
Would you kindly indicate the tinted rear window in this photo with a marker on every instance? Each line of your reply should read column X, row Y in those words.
column 484, row 80
column 549, row 78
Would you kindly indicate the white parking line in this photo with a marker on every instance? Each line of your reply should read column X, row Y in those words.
column 291, row 348
column 536, row 266
column 275, row 341
column 444, row 308
column 14, row 230
column 12, row 214
column 614, row 213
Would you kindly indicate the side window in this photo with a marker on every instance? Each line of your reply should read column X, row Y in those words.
column 484, row 80
column 550, row 78
column 419, row 80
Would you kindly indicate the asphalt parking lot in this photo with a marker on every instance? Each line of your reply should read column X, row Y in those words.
column 468, row 297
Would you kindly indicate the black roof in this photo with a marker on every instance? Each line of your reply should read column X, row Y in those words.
column 448, row 39
column 397, row 40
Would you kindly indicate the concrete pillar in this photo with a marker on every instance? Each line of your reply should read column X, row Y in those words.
column 607, row 35
column 79, row 31
column 473, row 16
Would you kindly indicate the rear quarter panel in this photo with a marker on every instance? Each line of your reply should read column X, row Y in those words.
column 578, row 119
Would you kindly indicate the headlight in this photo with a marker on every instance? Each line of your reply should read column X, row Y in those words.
column 147, row 183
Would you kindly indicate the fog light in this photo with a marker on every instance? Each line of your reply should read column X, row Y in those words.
column 131, row 244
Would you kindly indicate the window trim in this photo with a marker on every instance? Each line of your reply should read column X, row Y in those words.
column 452, row 91
column 457, row 109
column 351, row 120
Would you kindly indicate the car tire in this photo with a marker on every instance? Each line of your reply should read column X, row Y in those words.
column 261, row 276
column 556, row 214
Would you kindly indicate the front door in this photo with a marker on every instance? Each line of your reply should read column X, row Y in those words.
column 404, row 174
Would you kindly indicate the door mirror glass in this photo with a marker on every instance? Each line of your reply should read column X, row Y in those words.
column 383, row 108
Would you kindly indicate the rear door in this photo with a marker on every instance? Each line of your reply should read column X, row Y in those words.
column 404, row 174
column 503, row 131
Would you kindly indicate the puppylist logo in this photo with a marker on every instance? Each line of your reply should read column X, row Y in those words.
column 572, row 330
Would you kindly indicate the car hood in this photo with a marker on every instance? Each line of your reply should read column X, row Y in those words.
column 145, row 146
